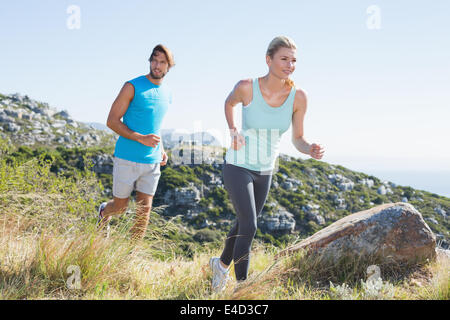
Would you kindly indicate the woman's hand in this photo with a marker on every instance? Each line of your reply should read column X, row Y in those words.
column 164, row 159
column 237, row 140
column 316, row 151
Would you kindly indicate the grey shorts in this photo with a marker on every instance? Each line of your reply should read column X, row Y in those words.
column 128, row 175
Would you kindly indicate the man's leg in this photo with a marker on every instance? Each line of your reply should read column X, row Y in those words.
column 143, row 207
column 146, row 187
column 113, row 207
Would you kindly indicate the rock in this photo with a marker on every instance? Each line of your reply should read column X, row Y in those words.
column 316, row 217
column 393, row 231
column 27, row 116
column 310, row 207
column 12, row 127
column 441, row 212
column 72, row 123
column 346, row 186
column 441, row 241
column 63, row 114
column 287, row 185
column 343, row 183
column 59, row 124
column 281, row 221
column 5, row 118
column 13, row 113
column 274, row 183
column 433, row 220
column 382, row 190
column 102, row 163
column 341, row 204
column 367, row 182
column 187, row 196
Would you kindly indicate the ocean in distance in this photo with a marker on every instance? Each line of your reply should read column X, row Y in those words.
column 431, row 181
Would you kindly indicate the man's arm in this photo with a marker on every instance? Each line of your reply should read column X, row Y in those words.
column 118, row 109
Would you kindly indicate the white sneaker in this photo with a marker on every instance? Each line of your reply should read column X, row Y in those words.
column 220, row 277
column 100, row 219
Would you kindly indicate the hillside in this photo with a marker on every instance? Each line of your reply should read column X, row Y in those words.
column 49, row 249
column 50, row 189
column 305, row 196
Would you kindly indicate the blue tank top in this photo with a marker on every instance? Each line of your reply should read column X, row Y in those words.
column 262, row 127
column 144, row 115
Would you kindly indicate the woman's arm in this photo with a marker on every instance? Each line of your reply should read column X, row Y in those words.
column 237, row 95
column 300, row 105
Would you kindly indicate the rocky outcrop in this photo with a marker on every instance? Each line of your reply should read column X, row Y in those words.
column 186, row 197
column 281, row 221
column 394, row 232
column 103, row 164
column 28, row 122
column 342, row 182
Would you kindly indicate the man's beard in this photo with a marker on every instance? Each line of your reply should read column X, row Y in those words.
column 155, row 76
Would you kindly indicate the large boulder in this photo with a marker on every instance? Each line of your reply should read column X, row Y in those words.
column 396, row 232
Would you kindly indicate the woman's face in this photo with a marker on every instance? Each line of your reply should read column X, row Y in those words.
column 282, row 65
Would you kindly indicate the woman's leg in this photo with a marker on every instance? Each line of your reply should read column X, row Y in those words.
column 248, row 191
column 238, row 183
column 261, row 186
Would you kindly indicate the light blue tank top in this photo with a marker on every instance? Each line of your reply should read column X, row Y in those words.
column 262, row 127
column 144, row 115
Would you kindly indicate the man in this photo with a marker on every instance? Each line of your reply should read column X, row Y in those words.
column 139, row 151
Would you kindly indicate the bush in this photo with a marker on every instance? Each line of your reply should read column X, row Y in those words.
column 206, row 235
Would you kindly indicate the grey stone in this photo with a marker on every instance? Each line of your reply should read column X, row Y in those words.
column 12, row 127
column 393, row 232
column 381, row 190
column 441, row 211
column 186, row 196
column 367, row 182
column 59, row 124
column 281, row 221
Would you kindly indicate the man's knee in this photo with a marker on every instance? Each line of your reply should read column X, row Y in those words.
column 144, row 203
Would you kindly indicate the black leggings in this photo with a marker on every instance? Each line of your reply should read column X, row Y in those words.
column 248, row 190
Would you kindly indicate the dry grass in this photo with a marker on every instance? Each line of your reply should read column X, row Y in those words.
column 35, row 265
column 47, row 235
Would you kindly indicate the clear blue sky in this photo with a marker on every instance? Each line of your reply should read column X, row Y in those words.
column 379, row 99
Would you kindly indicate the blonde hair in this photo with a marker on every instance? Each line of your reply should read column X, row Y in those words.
column 276, row 44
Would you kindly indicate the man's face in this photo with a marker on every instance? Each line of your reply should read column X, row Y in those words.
column 159, row 66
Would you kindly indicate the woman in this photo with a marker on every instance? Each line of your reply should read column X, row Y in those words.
column 269, row 105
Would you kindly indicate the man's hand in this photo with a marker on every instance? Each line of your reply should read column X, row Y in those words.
column 164, row 159
column 150, row 140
